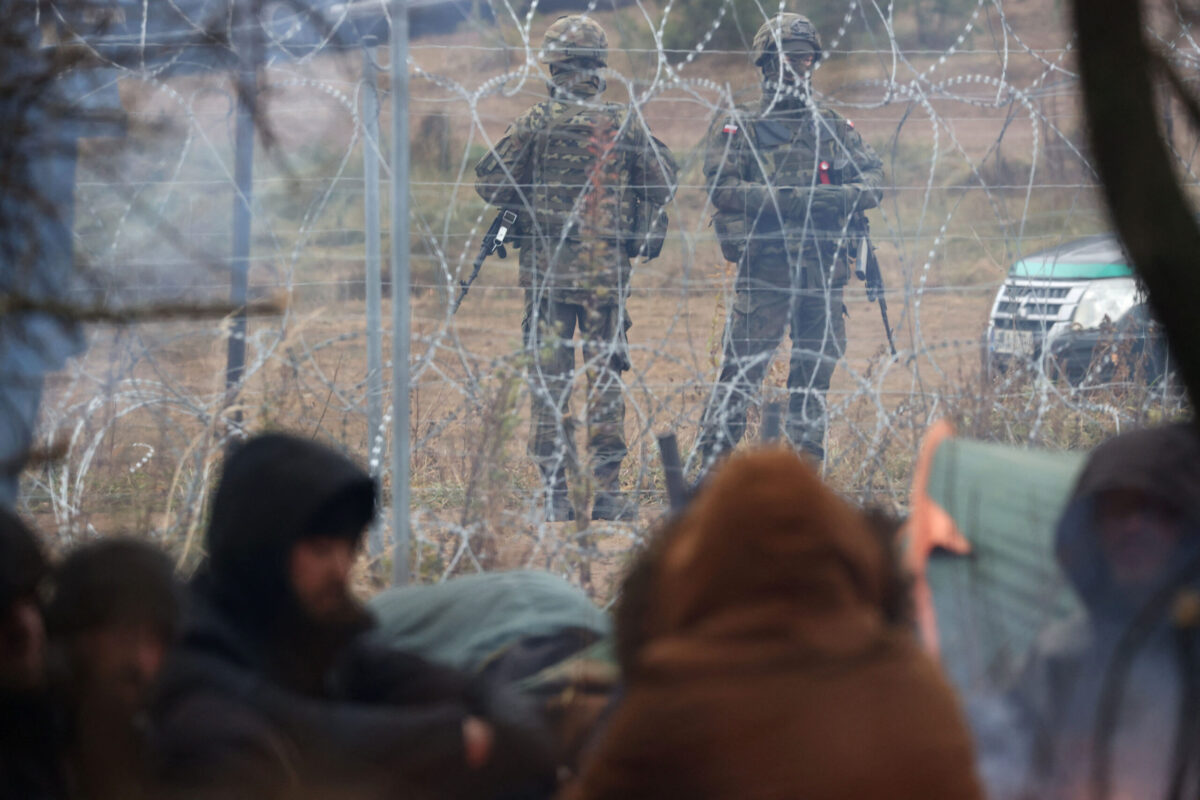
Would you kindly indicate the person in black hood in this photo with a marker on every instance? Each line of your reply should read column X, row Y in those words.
column 250, row 703
column 1108, row 704
column 286, row 521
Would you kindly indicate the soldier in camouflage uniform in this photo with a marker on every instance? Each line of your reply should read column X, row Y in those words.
column 788, row 178
column 589, row 183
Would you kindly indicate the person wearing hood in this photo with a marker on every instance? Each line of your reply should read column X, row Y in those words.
column 251, row 701
column 1108, row 703
column 789, row 179
column 762, row 665
column 588, row 184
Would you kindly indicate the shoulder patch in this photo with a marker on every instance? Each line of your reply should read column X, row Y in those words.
column 850, row 122
column 730, row 127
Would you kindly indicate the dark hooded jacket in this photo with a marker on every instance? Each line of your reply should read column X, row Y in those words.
column 1101, row 695
column 30, row 727
column 247, row 705
column 764, row 667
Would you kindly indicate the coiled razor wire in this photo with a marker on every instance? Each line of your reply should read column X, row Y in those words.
column 966, row 131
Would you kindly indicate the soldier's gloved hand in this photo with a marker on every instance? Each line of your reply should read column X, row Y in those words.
column 829, row 205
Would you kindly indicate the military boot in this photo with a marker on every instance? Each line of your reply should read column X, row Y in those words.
column 558, row 506
column 614, row 505
column 558, row 501
column 806, row 431
column 813, row 450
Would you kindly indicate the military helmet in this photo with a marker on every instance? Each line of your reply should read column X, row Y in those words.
column 788, row 31
column 575, row 36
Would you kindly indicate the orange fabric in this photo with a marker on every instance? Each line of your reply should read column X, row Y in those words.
column 929, row 527
column 769, row 671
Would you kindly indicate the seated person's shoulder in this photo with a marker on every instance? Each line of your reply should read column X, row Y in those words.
column 207, row 738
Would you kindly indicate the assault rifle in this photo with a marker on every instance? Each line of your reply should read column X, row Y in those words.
column 867, row 270
column 493, row 241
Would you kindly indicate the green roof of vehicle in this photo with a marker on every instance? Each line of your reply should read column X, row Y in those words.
column 1088, row 258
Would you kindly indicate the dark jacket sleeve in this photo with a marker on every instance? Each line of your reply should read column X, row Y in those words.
column 376, row 674
column 206, row 746
column 226, row 729
column 863, row 169
column 522, row 753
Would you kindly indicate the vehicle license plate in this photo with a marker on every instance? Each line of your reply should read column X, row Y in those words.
column 1012, row 342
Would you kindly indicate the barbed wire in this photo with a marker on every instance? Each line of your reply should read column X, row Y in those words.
column 981, row 144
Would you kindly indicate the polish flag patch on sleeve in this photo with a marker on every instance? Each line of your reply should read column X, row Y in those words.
column 730, row 127
column 850, row 122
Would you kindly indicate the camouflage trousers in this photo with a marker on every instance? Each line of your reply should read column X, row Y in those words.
column 760, row 316
column 549, row 336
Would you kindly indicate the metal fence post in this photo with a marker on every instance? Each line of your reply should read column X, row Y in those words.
column 373, row 284
column 400, row 293
column 243, row 174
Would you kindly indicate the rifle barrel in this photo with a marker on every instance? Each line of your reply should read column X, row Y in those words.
column 887, row 326
column 875, row 279
column 486, row 248
column 465, row 286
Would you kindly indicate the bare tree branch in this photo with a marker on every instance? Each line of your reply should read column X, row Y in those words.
column 156, row 312
column 1180, row 84
column 1149, row 208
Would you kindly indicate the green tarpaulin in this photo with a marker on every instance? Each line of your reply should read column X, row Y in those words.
column 468, row 619
column 992, row 603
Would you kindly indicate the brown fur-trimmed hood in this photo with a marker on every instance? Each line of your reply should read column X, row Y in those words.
column 761, row 666
column 768, row 550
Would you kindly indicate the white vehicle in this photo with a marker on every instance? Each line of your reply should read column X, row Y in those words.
column 1058, row 305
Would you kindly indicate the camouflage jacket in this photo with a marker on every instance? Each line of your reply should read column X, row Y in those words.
column 587, row 179
column 760, row 168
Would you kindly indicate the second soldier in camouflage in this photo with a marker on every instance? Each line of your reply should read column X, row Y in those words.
column 786, row 176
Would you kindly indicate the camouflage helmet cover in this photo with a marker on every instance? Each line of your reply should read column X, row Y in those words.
column 574, row 36
column 793, row 32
